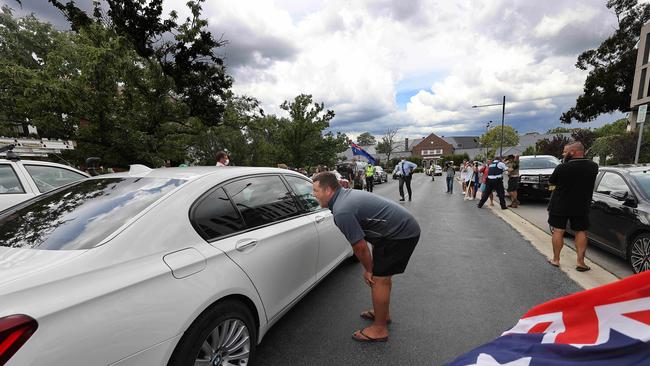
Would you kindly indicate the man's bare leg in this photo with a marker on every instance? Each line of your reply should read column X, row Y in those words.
column 581, row 247
column 558, row 243
column 381, row 304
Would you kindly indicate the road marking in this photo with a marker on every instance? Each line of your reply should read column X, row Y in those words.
column 541, row 241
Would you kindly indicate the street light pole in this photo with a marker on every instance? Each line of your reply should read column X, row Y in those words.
column 487, row 129
column 503, row 115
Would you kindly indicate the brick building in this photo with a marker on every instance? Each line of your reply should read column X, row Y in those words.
column 431, row 148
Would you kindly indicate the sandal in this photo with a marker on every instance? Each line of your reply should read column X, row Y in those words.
column 582, row 269
column 370, row 315
column 364, row 338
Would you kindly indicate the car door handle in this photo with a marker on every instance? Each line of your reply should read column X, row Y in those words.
column 319, row 219
column 245, row 244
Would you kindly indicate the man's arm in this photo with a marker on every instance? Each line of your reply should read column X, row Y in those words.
column 362, row 252
column 555, row 176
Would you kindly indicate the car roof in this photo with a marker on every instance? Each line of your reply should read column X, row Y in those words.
column 196, row 172
column 536, row 156
column 39, row 162
column 627, row 167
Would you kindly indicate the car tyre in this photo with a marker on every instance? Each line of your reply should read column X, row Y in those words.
column 228, row 328
column 638, row 253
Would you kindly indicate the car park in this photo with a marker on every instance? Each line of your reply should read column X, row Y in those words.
column 21, row 180
column 176, row 266
column 534, row 173
column 620, row 214
column 380, row 175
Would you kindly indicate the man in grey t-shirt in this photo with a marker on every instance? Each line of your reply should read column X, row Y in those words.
column 391, row 229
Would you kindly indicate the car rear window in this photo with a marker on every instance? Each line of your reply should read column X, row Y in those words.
column 539, row 163
column 80, row 216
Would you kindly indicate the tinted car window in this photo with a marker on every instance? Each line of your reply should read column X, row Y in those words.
column 541, row 162
column 82, row 215
column 262, row 200
column 303, row 190
column 643, row 179
column 9, row 182
column 612, row 182
column 215, row 216
column 48, row 178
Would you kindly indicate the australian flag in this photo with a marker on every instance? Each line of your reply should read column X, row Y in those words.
column 607, row 325
column 357, row 150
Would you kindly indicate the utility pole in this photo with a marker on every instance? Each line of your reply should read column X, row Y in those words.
column 503, row 115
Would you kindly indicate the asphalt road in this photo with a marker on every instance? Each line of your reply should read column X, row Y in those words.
column 535, row 213
column 470, row 278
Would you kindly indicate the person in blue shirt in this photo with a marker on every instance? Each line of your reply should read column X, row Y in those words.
column 404, row 169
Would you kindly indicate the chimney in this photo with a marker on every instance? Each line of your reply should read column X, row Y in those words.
column 406, row 144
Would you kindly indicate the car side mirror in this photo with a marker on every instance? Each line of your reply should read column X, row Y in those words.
column 619, row 195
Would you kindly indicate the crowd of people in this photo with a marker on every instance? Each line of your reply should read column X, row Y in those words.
column 485, row 178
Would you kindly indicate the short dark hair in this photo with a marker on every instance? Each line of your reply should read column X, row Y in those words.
column 221, row 155
column 327, row 179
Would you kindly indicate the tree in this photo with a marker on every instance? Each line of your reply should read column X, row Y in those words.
column 366, row 139
column 492, row 138
column 530, row 150
column 301, row 135
column 608, row 86
column 585, row 136
column 388, row 143
column 618, row 127
column 554, row 147
column 556, row 130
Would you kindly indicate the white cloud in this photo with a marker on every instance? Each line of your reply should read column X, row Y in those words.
column 551, row 26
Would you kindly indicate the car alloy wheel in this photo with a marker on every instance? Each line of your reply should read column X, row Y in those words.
column 228, row 344
column 640, row 253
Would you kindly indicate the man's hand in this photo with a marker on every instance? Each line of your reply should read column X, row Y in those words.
column 367, row 276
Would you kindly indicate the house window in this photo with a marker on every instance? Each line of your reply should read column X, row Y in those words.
column 432, row 152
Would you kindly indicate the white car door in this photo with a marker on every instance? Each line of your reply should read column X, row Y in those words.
column 333, row 247
column 13, row 188
column 276, row 247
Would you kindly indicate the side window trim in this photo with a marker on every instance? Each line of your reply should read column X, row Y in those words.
column 303, row 209
column 17, row 174
column 222, row 186
column 629, row 190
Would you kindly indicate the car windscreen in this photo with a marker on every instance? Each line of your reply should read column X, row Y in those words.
column 643, row 180
column 81, row 215
column 546, row 162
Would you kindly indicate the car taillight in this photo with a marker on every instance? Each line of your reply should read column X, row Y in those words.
column 15, row 330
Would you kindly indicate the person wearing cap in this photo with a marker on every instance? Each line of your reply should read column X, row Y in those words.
column 495, row 183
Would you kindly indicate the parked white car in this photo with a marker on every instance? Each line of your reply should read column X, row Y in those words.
column 177, row 266
column 23, row 179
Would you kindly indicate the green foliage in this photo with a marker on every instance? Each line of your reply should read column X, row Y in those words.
column 530, row 150
column 366, row 139
column 492, row 138
column 618, row 127
column 585, row 136
column 554, row 147
column 556, row 130
column 611, row 66
column 456, row 158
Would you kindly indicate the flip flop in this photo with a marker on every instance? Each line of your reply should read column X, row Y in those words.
column 366, row 338
column 582, row 269
column 370, row 315
column 553, row 264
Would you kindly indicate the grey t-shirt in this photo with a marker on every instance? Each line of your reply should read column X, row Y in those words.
column 360, row 214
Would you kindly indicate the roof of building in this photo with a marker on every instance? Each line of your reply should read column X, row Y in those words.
column 463, row 142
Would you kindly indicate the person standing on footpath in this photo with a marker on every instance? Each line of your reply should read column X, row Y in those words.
column 449, row 168
column 574, row 181
column 404, row 169
column 370, row 176
column 222, row 159
column 393, row 233
column 513, row 179
column 495, row 183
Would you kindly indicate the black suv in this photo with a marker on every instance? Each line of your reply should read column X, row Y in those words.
column 620, row 213
column 534, row 172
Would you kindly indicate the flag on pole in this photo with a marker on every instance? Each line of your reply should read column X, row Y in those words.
column 357, row 150
column 607, row 325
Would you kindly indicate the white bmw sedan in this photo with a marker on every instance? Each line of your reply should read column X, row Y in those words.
column 179, row 267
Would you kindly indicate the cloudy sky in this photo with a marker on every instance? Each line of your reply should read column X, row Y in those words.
column 417, row 65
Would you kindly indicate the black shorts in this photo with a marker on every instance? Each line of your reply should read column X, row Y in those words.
column 390, row 257
column 578, row 223
column 513, row 184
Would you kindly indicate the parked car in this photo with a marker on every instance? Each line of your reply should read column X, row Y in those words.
column 21, row 180
column 437, row 170
column 380, row 175
column 620, row 214
column 534, row 172
column 148, row 268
